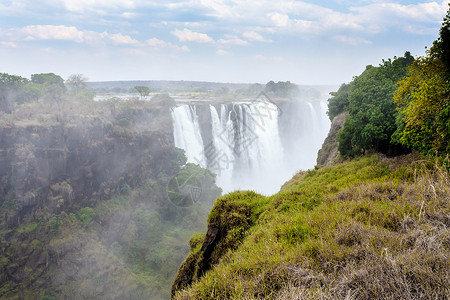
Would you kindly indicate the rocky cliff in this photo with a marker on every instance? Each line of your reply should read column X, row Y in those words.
column 79, row 158
column 55, row 164
column 329, row 152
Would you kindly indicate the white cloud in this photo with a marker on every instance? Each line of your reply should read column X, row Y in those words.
column 233, row 41
column 157, row 43
column 254, row 36
column 287, row 16
column 350, row 40
column 84, row 5
column 128, row 15
column 386, row 11
column 69, row 33
column 280, row 20
column 160, row 44
column 310, row 27
column 187, row 35
column 222, row 52
column 120, row 39
column 52, row 32
column 9, row 44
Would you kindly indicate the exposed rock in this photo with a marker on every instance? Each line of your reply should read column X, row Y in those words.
column 329, row 152
column 54, row 167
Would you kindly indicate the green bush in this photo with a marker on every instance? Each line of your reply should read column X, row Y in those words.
column 85, row 216
column 54, row 223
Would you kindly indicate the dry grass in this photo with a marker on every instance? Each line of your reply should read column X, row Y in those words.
column 382, row 238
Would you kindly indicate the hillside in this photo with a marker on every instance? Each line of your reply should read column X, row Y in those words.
column 371, row 228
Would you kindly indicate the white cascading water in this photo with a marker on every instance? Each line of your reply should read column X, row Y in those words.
column 254, row 145
column 187, row 134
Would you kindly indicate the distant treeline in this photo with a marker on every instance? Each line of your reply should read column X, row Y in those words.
column 16, row 89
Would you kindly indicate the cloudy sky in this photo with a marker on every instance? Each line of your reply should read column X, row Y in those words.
column 306, row 42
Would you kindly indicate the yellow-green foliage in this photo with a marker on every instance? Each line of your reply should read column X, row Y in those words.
column 372, row 228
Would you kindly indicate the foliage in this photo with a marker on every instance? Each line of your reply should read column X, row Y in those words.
column 48, row 79
column 282, row 89
column 371, row 120
column 85, row 216
column 338, row 103
column 54, row 222
column 12, row 90
column 423, row 99
column 192, row 185
column 76, row 82
column 164, row 100
column 142, row 90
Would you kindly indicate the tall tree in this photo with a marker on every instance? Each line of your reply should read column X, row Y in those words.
column 76, row 82
column 423, row 99
column 372, row 114
column 142, row 90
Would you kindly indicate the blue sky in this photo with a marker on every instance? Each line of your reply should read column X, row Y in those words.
column 306, row 42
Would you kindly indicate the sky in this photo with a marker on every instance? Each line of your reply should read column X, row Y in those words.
column 305, row 42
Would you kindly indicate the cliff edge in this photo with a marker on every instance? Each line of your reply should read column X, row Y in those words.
column 329, row 152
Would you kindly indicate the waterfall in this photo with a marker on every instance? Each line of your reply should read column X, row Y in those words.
column 187, row 134
column 253, row 145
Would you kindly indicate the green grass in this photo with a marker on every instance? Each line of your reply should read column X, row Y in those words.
column 363, row 229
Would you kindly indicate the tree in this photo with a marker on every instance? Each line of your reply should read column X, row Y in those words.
column 48, row 79
column 76, row 82
column 372, row 114
column 164, row 100
column 281, row 88
column 52, row 86
column 142, row 90
column 423, row 99
column 338, row 103
column 12, row 91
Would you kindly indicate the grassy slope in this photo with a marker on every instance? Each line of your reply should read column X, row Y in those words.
column 369, row 228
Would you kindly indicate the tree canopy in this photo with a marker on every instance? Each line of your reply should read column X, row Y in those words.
column 48, row 79
column 338, row 103
column 423, row 99
column 142, row 90
column 76, row 82
column 282, row 89
column 372, row 114
column 12, row 90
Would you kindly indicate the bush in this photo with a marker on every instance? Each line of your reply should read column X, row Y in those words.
column 85, row 215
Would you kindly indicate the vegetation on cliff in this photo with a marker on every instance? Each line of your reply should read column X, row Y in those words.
column 84, row 205
column 369, row 228
column 423, row 99
column 398, row 106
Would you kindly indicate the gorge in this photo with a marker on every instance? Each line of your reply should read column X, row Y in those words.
column 85, row 188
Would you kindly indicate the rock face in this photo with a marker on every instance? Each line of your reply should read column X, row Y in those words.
column 50, row 170
column 329, row 151
column 66, row 164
